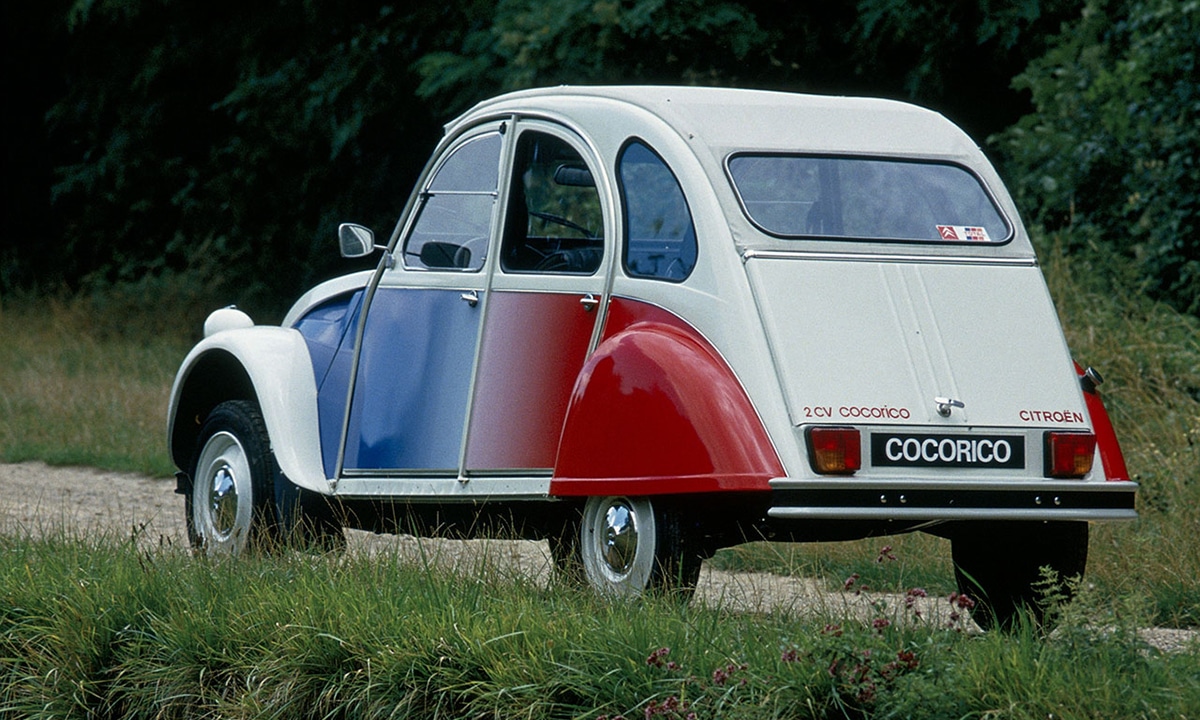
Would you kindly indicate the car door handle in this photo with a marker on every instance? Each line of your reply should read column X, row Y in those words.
column 589, row 302
column 471, row 298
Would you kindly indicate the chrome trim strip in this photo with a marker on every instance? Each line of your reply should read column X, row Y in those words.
column 1123, row 486
column 751, row 254
column 895, row 513
column 445, row 488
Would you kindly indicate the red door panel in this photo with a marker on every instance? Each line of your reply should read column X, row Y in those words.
column 534, row 345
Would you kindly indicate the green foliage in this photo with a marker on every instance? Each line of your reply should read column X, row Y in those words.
column 952, row 55
column 956, row 57
column 1149, row 354
column 532, row 43
column 1112, row 145
column 227, row 140
column 224, row 142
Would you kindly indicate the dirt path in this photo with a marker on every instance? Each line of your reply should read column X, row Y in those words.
column 38, row 499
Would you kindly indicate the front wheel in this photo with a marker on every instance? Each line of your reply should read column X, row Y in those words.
column 999, row 566
column 230, row 508
column 241, row 501
column 629, row 546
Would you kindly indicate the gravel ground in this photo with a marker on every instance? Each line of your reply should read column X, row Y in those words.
column 39, row 499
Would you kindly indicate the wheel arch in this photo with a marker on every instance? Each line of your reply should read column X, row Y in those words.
column 655, row 411
column 269, row 366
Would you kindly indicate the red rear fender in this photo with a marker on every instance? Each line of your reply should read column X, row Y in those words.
column 656, row 410
column 1106, row 437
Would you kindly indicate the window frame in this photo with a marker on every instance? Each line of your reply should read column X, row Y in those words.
column 1010, row 227
column 514, row 175
column 426, row 194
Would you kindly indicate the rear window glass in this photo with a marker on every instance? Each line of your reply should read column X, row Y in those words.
column 798, row 196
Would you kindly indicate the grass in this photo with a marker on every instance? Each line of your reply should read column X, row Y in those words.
column 86, row 382
column 81, row 386
column 1150, row 356
column 96, row 627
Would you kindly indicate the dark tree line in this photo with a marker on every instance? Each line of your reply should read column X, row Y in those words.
column 210, row 149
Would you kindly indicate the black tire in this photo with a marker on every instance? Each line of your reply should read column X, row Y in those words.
column 999, row 565
column 307, row 520
column 230, row 509
column 631, row 546
column 240, row 501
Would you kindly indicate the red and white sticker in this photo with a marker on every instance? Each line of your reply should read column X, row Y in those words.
column 963, row 233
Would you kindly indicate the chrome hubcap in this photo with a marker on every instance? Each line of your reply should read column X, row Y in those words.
column 223, row 500
column 620, row 540
column 222, row 495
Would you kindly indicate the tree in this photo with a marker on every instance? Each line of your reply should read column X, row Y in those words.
column 1111, row 148
column 209, row 150
column 218, row 144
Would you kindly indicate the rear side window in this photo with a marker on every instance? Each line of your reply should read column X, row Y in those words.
column 660, row 237
column 797, row 196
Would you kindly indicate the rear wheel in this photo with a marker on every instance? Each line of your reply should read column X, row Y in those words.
column 629, row 546
column 999, row 565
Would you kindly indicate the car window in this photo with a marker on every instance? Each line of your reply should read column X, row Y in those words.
column 455, row 220
column 660, row 237
column 554, row 222
column 796, row 196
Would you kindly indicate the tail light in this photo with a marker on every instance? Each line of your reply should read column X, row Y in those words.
column 1069, row 454
column 834, row 450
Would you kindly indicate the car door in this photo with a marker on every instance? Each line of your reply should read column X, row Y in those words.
column 411, row 387
column 545, row 303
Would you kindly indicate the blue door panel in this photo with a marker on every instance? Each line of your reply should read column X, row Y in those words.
column 324, row 330
column 328, row 331
column 410, row 397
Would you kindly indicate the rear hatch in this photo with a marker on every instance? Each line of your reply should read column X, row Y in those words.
column 898, row 298
column 909, row 348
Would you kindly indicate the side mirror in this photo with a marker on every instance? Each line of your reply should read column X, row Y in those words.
column 355, row 240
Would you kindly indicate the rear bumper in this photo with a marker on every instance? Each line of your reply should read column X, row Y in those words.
column 915, row 500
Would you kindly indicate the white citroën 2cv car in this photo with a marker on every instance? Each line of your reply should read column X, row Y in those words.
column 645, row 323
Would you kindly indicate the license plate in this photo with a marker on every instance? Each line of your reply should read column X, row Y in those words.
column 947, row 451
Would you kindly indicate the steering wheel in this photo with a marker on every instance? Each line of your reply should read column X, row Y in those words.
column 559, row 220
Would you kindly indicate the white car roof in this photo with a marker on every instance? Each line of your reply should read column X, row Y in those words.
column 727, row 119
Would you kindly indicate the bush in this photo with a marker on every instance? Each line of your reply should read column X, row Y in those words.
column 1111, row 147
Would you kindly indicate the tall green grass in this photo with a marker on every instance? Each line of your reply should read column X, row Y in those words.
column 97, row 628
column 86, row 382
column 1150, row 356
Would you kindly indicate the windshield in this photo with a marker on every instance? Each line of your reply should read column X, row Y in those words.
column 796, row 196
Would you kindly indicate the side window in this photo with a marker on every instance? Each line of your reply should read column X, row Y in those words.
column 660, row 237
column 554, row 222
column 451, row 232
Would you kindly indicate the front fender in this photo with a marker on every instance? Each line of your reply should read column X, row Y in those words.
column 269, row 365
column 656, row 410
